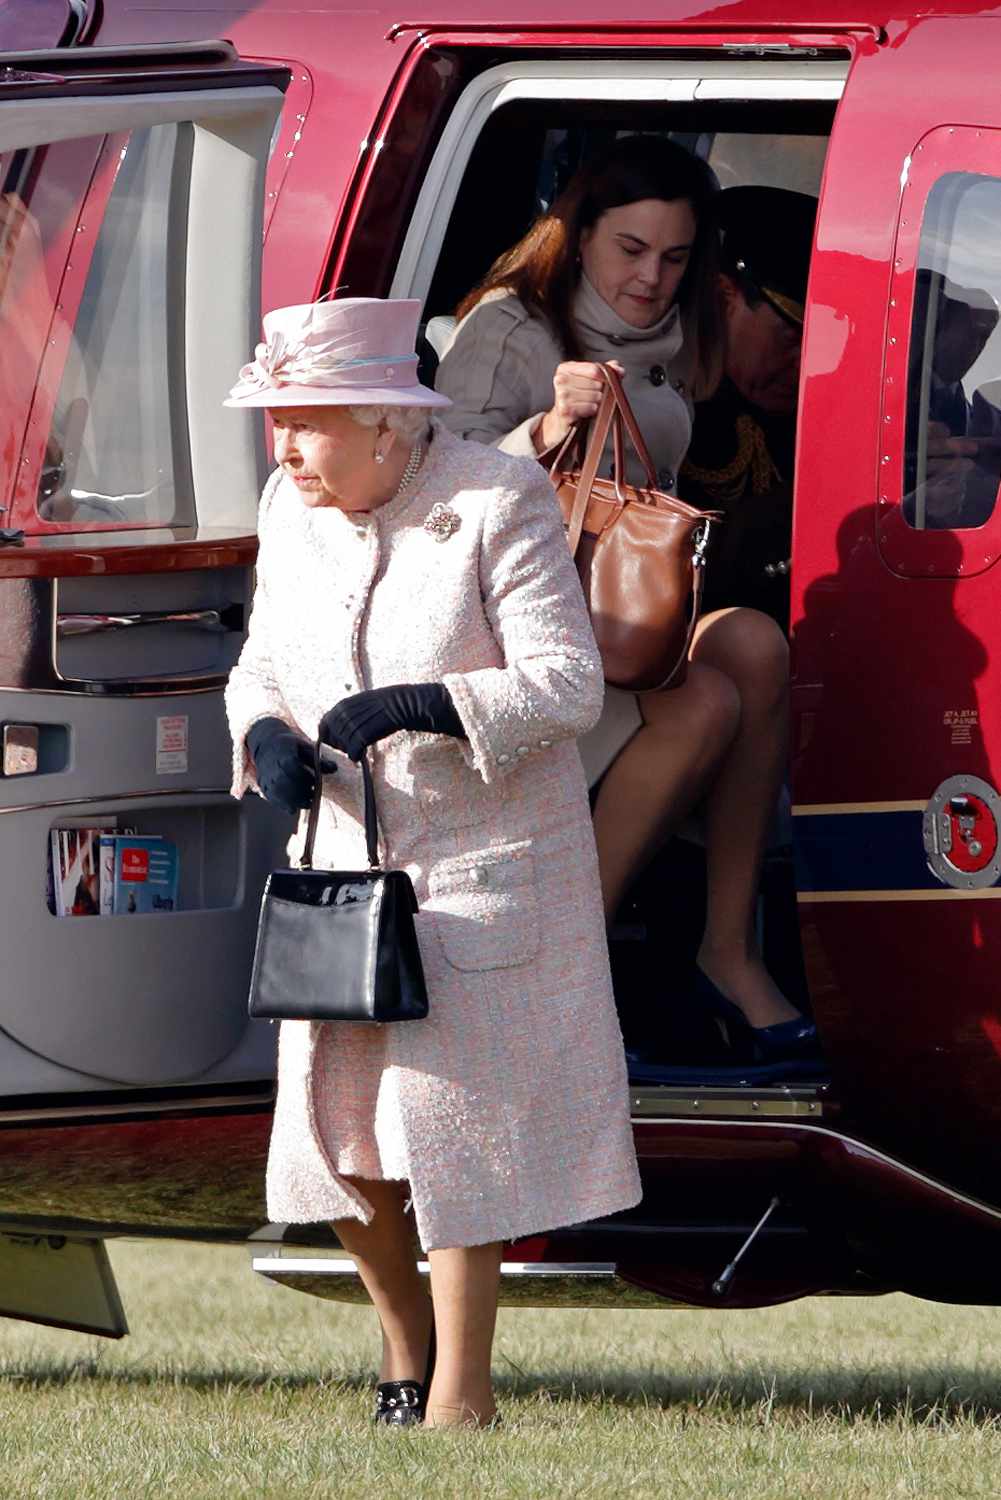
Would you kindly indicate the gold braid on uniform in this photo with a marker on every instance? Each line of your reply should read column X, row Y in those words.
column 752, row 461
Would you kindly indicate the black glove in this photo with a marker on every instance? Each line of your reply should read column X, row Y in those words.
column 283, row 761
column 364, row 718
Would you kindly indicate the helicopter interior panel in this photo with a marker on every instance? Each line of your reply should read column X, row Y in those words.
column 117, row 213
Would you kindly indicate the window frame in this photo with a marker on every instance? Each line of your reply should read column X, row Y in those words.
column 939, row 552
column 671, row 79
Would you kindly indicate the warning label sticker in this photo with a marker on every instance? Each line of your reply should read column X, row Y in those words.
column 172, row 745
column 962, row 722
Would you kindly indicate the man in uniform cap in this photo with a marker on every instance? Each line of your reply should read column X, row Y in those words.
column 741, row 456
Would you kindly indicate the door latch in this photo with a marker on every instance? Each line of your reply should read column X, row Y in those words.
column 20, row 749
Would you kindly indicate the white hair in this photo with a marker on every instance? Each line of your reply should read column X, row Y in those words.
column 411, row 422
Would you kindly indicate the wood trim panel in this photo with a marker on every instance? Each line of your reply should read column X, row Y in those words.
column 117, row 553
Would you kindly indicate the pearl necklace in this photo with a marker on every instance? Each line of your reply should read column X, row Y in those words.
column 413, row 464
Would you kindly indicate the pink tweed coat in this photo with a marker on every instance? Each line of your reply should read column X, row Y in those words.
column 506, row 1110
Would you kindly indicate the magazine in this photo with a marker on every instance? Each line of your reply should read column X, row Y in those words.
column 101, row 870
column 145, row 874
column 76, row 871
column 106, row 875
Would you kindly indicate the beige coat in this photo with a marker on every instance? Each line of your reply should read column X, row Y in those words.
column 498, row 370
column 499, row 365
column 507, row 1109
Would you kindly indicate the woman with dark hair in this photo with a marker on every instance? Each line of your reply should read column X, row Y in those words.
column 624, row 269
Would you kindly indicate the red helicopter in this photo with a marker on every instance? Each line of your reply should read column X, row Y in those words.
column 156, row 188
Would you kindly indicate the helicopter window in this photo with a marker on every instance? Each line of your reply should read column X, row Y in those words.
column 112, row 453
column 952, row 453
column 795, row 162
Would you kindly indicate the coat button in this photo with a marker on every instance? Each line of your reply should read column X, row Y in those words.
column 658, row 375
column 502, row 760
column 521, row 750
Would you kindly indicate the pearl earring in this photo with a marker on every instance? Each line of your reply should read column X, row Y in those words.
column 380, row 458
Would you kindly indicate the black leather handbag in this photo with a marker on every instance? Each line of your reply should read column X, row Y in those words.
column 338, row 945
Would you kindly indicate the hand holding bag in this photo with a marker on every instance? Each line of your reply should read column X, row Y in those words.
column 338, row 945
column 640, row 553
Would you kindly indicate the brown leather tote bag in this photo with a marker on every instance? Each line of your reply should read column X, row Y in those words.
column 640, row 553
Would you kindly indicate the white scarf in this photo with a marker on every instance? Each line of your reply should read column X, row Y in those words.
column 662, row 411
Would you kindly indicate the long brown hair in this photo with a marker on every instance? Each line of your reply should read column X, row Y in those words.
column 542, row 268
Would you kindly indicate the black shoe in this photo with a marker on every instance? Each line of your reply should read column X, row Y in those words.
column 401, row 1403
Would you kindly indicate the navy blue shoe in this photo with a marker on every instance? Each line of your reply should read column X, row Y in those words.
column 786, row 1041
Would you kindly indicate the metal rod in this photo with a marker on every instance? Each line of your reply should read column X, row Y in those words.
column 722, row 1282
column 92, row 624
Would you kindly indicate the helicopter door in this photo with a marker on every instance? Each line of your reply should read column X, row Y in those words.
column 897, row 718
column 130, row 244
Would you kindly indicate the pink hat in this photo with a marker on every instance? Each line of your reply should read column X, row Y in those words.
column 356, row 351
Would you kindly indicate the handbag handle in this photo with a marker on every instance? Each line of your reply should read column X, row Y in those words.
column 371, row 812
column 614, row 412
column 624, row 413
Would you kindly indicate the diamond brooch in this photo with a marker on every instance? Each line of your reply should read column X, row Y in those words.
column 441, row 522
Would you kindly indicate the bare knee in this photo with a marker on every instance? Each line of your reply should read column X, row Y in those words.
column 750, row 649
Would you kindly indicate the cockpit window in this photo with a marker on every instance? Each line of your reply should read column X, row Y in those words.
column 952, row 452
column 115, row 454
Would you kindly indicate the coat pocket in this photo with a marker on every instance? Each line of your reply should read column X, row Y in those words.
column 486, row 907
column 449, row 793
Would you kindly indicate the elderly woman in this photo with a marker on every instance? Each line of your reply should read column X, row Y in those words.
column 624, row 268
column 416, row 601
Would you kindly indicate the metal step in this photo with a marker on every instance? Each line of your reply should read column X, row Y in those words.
column 671, row 1100
column 63, row 1281
column 523, row 1284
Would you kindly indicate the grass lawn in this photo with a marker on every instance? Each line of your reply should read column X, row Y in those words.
column 232, row 1387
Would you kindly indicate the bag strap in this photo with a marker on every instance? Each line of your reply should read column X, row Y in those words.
column 700, row 541
column 625, row 412
column 371, row 812
column 613, row 413
column 596, row 440
column 371, row 816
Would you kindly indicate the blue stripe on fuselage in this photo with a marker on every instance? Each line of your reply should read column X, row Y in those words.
column 861, row 851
